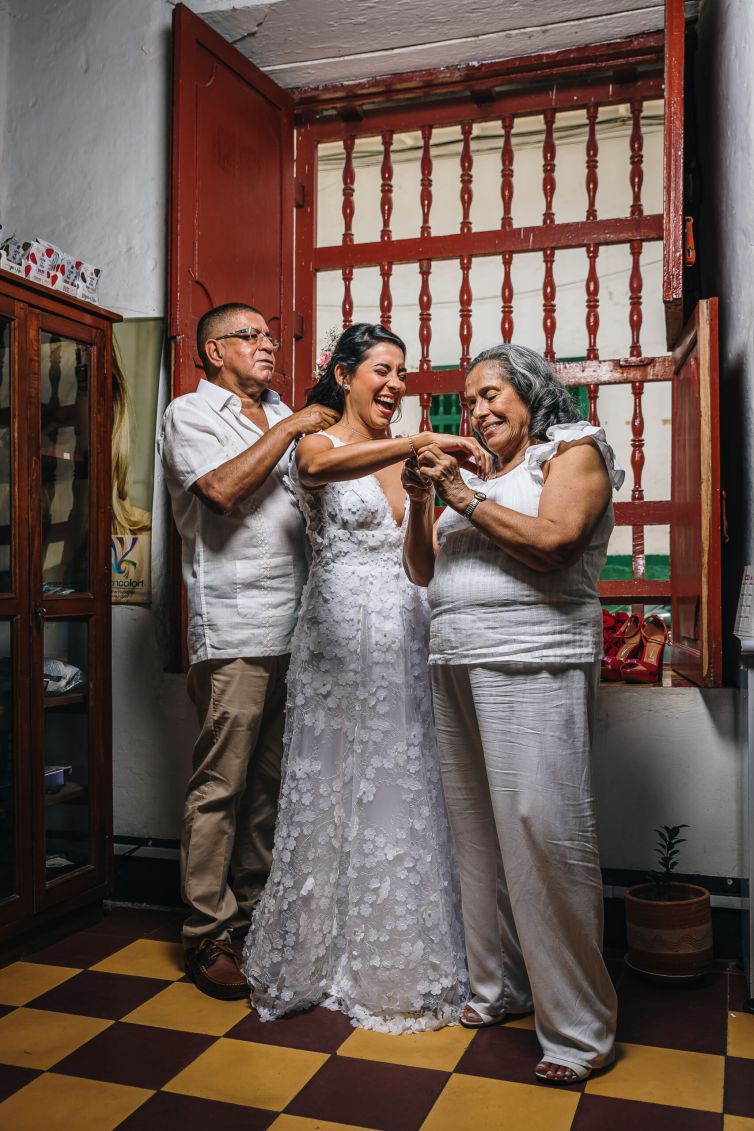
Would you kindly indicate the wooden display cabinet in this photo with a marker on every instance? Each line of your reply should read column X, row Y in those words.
column 55, row 668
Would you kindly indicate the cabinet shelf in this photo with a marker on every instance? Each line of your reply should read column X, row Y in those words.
column 64, row 457
column 71, row 791
column 52, row 701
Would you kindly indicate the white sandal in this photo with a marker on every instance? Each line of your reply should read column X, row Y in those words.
column 480, row 1022
column 578, row 1072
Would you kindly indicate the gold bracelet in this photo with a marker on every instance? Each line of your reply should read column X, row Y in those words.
column 414, row 452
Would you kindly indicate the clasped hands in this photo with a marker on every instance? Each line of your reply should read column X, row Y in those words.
column 437, row 469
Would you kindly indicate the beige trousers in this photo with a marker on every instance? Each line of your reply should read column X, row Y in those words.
column 231, row 799
column 514, row 753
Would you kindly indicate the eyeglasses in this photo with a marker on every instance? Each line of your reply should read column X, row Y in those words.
column 250, row 334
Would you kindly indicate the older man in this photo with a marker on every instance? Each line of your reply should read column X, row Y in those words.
column 225, row 451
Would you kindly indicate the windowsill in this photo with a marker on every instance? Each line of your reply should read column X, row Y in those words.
column 669, row 679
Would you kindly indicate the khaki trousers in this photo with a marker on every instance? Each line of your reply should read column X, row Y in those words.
column 231, row 799
column 514, row 753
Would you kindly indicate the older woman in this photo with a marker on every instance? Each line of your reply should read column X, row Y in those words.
column 515, row 645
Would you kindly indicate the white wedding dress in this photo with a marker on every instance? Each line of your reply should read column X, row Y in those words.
column 361, row 911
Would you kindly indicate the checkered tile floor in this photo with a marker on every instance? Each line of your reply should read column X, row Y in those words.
column 102, row 1030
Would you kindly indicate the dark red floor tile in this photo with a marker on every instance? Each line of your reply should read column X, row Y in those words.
column 94, row 993
column 503, row 1053
column 170, row 931
column 598, row 1113
column 83, row 949
column 690, row 1017
column 138, row 1055
column 388, row 1097
column 318, row 1030
column 738, row 990
column 739, row 1086
column 135, row 922
column 11, row 1079
column 166, row 1112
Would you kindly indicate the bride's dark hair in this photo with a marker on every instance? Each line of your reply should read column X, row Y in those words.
column 350, row 350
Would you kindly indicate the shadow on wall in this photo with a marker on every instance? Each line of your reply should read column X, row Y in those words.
column 668, row 756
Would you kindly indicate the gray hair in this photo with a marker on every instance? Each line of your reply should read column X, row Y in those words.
column 533, row 379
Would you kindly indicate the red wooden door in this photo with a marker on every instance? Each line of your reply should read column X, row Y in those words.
column 231, row 199
column 695, row 528
column 672, row 258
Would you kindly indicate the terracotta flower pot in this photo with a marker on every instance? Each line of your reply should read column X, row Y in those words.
column 669, row 938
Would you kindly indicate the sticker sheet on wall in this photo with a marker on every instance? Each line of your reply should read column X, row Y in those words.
column 136, row 374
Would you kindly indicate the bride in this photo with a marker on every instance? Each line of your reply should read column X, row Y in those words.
column 361, row 910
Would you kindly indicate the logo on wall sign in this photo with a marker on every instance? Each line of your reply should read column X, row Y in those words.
column 130, row 567
column 121, row 545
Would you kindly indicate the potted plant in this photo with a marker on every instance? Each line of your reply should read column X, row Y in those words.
column 668, row 923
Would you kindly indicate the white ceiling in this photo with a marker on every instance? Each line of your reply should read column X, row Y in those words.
column 312, row 42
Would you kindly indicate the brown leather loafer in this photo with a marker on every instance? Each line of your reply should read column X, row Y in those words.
column 214, row 969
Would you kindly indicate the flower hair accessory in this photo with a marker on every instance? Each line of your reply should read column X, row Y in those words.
column 325, row 354
column 321, row 364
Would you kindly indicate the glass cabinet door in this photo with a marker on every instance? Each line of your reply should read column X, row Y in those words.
column 65, row 372
column 9, row 884
column 66, row 746
column 6, row 457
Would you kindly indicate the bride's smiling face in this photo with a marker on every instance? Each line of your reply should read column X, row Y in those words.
column 375, row 388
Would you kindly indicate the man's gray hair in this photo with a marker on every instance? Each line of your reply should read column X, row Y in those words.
column 533, row 379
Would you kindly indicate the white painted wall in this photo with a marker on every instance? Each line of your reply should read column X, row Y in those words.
column 667, row 756
column 84, row 88
column 83, row 106
column 86, row 122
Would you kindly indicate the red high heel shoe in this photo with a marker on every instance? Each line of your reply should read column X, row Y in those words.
column 626, row 642
column 647, row 666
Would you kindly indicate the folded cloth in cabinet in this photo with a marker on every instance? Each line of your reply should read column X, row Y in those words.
column 61, row 678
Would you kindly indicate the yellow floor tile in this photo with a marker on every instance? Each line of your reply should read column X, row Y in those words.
column 24, row 981
column 38, row 1038
column 58, row 1103
column 182, row 1006
column 663, row 1076
column 244, row 1072
column 741, row 1035
column 147, row 958
column 521, row 1022
column 738, row 1123
column 301, row 1123
column 441, row 1049
column 471, row 1103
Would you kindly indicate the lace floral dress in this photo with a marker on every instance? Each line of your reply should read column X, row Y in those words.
column 361, row 909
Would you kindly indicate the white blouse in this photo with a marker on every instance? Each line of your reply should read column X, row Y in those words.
column 487, row 607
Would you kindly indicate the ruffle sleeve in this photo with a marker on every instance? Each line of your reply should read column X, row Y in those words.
column 539, row 454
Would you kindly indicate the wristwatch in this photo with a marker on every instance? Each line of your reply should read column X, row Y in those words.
column 479, row 497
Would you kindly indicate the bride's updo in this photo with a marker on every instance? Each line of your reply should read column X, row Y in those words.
column 350, row 350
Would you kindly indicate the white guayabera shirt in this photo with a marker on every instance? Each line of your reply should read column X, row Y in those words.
column 243, row 571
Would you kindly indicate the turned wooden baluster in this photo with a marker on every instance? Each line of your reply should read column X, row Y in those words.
column 592, row 249
column 637, row 466
column 425, row 195
column 386, row 207
column 592, row 395
column 548, row 188
column 465, row 295
column 506, row 223
column 425, row 316
column 637, row 210
column 425, row 267
column 349, row 207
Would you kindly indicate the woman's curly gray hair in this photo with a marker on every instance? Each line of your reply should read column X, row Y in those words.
column 536, row 384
